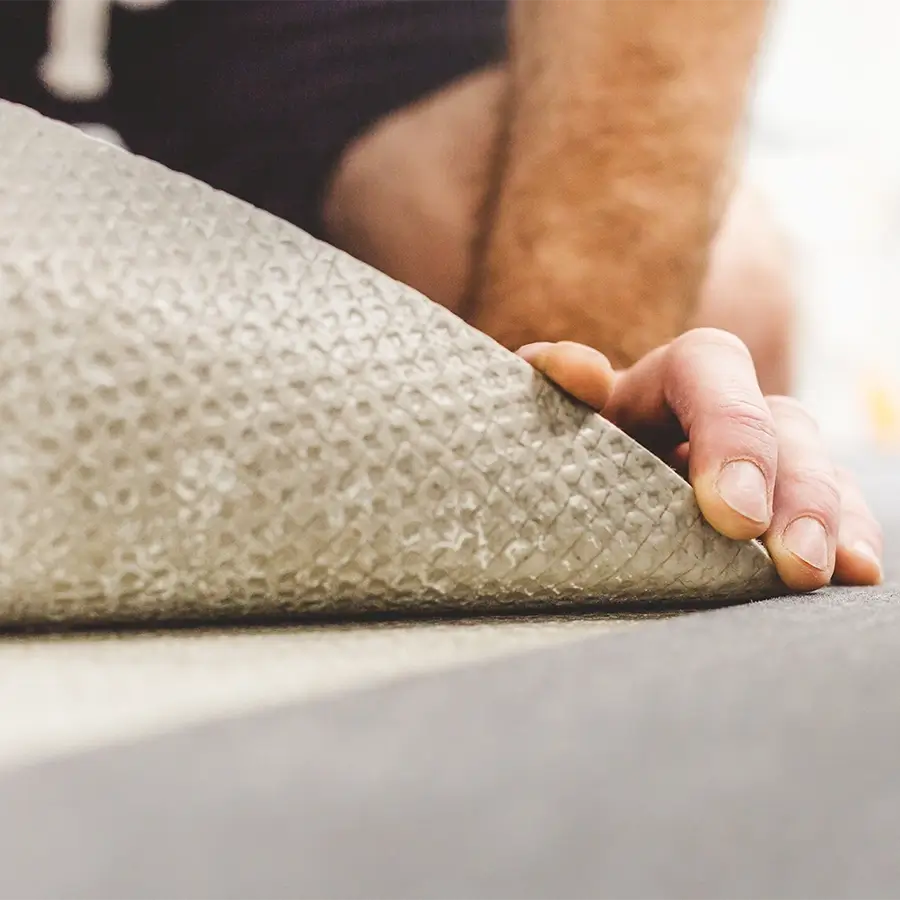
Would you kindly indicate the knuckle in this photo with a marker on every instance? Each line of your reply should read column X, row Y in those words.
column 852, row 497
column 705, row 338
column 790, row 408
column 819, row 489
column 854, row 503
column 845, row 476
column 751, row 419
column 855, row 506
column 862, row 524
column 875, row 530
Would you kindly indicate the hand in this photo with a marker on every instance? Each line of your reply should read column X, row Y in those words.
column 757, row 464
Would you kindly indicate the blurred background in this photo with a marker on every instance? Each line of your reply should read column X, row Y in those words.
column 825, row 147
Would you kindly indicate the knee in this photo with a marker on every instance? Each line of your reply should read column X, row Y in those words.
column 405, row 197
column 751, row 290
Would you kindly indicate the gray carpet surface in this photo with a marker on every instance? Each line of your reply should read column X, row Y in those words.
column 743, row 752
column 90, row 689
column 749, row 752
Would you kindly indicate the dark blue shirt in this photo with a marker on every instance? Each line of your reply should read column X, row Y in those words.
column 259, row 97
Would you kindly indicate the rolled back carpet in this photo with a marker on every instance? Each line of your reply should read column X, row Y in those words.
column 208, row 414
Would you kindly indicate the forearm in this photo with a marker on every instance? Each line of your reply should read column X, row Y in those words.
column 622, row 119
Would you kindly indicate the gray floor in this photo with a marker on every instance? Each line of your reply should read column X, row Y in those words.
column 80, row 691
column 744, row 752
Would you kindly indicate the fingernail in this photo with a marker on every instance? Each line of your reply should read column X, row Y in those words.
column 533, row 353
column 807, row 540
column 742, row 486
column 867, row 552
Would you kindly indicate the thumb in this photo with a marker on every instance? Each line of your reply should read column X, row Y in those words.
column 579, row 370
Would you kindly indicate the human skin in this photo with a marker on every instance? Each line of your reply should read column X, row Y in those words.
column 586, row 216
column 757, row 463
column 440, row 194
column 614, row 162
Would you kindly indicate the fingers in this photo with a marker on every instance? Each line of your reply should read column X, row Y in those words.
column 859, row 547
column 702, row 387
column 705, row 383
column 579, row 370
column 803, row 536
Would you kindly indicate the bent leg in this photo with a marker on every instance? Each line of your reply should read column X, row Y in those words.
column 408, row 197
column 619, row 144
column 750, row 288
column 260, row 97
